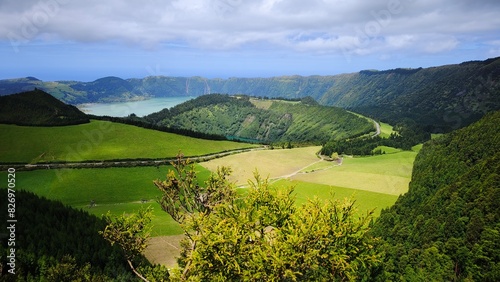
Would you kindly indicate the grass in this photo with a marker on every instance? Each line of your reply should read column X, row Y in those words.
column 117, row 190
column 272, row 163
column 365, row 200
column 387, row 174
column 163, row 224
column 385, row 130
column 120, row 190
column 262, row 104
column 388, row 150
column 99, row 140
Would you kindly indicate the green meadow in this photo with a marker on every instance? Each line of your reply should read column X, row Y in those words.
column 387, row 174
column 385, row 130
column 364, row 200
column 118, row 190
column 99, row 140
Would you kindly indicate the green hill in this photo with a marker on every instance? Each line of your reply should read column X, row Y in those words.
column 100, row 140
column 251, row 119
column 38, row 108
column 446, row 228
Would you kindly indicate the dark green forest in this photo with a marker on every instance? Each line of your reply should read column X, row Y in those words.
column 38, row 108
column 447, row 227
column 238, row 118
column 58, row 243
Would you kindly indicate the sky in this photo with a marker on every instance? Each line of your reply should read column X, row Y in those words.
column 87, row 40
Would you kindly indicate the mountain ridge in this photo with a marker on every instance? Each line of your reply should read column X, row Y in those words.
column 441, row 98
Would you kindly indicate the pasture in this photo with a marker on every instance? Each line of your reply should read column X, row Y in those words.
column 269, row 163
column 386, row 130
column 99, row 140
column 387, row 174
column 365, row 200
column 118, row 190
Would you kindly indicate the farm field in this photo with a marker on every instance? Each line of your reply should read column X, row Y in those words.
column 387, row 174
column 99, row 140
column 269, row 163
column 365, row 200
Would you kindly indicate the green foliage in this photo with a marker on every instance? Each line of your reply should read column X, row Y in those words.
column 284, row 121
column 131, row 233
column 408, row 135
column 182, row 196
column 446, row 226
column 38, row 108
column 68, row 270
column 263, row 235
column 54, row 241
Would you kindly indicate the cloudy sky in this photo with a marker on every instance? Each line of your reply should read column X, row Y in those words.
column 86, row 40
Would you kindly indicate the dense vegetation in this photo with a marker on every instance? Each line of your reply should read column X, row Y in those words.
column 261, row 235
column 248, row 119
column 439, row 98
column 38, row 108
column 407, row 134
column 446, row 228
column 58, row 243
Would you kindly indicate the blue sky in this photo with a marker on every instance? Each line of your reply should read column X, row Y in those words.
column 86, row 40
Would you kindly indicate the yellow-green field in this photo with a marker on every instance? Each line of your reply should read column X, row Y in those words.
column 386, row 130
column 269, row 163
column 373, row 182
column 99, row 140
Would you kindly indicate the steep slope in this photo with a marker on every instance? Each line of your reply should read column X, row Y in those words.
column 446, row 228
column 441, row 98
column 50, row 234
column 263, row 120
column 38, row 108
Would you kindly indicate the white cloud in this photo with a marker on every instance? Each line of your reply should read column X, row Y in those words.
column 329, row 25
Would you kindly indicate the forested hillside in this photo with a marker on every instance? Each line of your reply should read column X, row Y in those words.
column 260, row 120
column 38, row 108
column 447, row 227
column 439, row 98
column 57, row 243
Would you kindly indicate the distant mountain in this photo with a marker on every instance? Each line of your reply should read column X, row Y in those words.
column 246, row 119
column 38, row 108
column 439, row 98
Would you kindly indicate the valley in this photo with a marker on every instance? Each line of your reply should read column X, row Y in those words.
column 415, row 167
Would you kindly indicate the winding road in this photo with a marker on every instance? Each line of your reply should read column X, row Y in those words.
column 377, row 126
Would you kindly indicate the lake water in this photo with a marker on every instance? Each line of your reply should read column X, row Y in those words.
column 140, row 108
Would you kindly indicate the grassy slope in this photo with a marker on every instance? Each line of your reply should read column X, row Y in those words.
column 385, row 130
column 374, row 181
column 388, row 174
column 365, row 200
column 113, row 189
column 99, row 140
column 272, row 163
